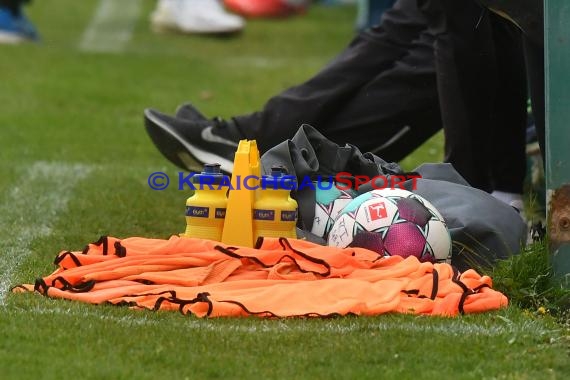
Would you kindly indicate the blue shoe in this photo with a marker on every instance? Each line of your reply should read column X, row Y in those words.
column 16, row 29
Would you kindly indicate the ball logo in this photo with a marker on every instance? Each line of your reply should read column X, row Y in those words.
column 377, row 211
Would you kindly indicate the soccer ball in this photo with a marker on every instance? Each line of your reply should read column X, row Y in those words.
column 329, row 203
column 393, row 222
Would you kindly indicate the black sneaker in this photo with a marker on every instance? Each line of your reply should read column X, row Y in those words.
column 188, row 112
column 191, row 142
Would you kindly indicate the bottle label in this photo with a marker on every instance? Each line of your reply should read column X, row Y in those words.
column 263, row 214
column 288, row 216
column 220, row 213
column 198, row 212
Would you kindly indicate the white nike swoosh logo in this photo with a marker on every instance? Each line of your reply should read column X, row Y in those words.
column 210, row 137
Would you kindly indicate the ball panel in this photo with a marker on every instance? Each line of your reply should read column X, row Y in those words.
column 329, row 203
column 321, row 220
column 430, row 207
column 404, row 239
column 356, row 202
column 340, row 234
column 413, row 211
column 376, row 213
column 368, row 240
column 439, row 240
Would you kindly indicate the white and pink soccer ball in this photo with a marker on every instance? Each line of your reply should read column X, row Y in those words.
column 393, row 222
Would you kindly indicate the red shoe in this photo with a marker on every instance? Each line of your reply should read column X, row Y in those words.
column 266, row 8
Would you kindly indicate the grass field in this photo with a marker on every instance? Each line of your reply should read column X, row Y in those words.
column 74, row 162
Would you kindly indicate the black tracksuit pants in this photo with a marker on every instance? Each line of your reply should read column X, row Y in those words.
column 529, row 15
column 379, row 94
column 482, row 92
column 384, row 93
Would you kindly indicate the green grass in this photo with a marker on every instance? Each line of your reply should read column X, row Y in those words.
column 76, row 341
column 528, row 280
column 64, row 107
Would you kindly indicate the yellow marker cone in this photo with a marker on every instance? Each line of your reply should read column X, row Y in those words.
column 238, row 225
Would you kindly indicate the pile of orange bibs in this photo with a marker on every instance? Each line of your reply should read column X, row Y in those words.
column 279, row 278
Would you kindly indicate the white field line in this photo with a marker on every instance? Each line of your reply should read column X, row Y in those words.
column 112, row 26
column 451, row 328
column 30, row 210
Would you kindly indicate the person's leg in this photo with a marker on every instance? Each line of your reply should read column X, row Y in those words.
column 534, row 55
column 529, row 16
column 526, row 14
column 466, row 76
column 394, row 113
column 322, row 97
column 509, row 116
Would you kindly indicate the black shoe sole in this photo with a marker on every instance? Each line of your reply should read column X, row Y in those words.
column 179, row 151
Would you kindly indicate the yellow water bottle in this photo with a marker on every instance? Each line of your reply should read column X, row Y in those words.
column 206, row 209
column 275, row 212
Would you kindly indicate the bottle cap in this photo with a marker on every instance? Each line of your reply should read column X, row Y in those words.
column 211, row 175
column 278, row 179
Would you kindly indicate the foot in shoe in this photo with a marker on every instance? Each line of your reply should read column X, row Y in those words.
column 195, row 16
column 188, row 112
column 190, row 143
column 15, row 28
